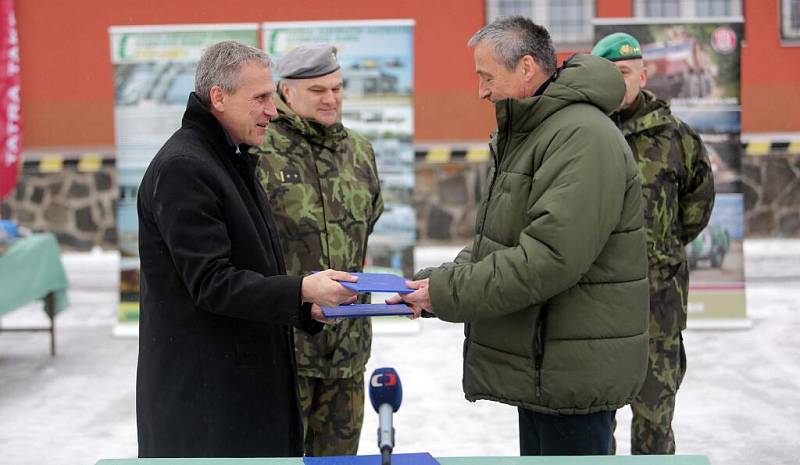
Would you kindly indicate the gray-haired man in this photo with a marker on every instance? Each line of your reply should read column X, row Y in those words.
column 553, row 290
column 216, row 374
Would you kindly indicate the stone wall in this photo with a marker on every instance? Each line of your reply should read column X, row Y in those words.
column 79, row 207
column 446, row 197
column 771, row 186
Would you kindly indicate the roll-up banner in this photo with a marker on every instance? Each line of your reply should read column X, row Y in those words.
column 694, row 65
column 154, row 68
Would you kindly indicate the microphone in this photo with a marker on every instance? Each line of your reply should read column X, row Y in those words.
column 386, row 394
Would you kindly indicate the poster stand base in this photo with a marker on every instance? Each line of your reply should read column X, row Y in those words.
column 725, row 324
column 126, row 330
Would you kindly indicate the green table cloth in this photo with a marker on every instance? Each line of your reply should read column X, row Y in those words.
column 585, row 460
column 31, row 269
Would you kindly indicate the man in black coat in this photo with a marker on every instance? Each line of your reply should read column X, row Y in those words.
column 216, row 374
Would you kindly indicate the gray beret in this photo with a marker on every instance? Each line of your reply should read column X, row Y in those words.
column 308, row 61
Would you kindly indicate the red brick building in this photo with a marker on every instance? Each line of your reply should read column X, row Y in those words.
column 68, row 82
column 68, row 88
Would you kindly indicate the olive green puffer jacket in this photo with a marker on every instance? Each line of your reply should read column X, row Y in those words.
column 554, row 288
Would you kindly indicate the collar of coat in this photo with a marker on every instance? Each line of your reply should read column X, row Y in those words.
column 647, row 112
column 581, row 79
column 197, row 116
column 331, row 137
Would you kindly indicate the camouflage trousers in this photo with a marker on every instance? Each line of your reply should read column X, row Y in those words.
column 333, row 410
column 654, row 407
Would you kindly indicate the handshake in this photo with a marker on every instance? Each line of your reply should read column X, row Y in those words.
column 324, row 289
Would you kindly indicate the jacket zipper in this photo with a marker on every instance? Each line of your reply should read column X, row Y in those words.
column 496, row 161
column 486, row 207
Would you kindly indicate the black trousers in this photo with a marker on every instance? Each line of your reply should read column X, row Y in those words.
column 544, row 434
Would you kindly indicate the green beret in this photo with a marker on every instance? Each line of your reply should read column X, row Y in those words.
column 308, row 61
column 618, row 46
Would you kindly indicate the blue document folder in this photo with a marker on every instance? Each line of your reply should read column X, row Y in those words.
column 363, row 310
column 378, row 282
column 397, row 459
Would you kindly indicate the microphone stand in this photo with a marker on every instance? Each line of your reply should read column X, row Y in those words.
column 385, row 433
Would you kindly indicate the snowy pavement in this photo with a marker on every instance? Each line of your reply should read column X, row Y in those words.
column 740, row 402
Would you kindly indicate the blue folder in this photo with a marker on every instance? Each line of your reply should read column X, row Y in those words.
column 364, row 310
column 378, row 282
column 397, row 459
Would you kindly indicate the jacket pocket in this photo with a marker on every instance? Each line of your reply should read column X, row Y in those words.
column 352, row 201
column 538, row 350
column 466, row 347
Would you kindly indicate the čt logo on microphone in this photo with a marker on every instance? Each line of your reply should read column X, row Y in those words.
column 385, row 394
column 384, row 378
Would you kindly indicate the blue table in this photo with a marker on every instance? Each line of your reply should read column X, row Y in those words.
column 585, row 460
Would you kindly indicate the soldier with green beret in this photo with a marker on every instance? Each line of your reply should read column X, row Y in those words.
column 322, row 182
column 678, row 190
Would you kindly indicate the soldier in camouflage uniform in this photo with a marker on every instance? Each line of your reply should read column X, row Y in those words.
column 322, row 183
column 678, row 190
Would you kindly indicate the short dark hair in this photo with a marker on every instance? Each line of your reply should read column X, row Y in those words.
column 514, row 37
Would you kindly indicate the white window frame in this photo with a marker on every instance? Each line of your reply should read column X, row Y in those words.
column 686, row 8
column 787, row 32
column 540, row 15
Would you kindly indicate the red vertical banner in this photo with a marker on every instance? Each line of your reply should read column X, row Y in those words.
column 10, row 104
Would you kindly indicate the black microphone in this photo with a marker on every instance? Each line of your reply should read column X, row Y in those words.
column 386, row 394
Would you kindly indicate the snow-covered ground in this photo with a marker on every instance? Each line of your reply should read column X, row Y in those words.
column 740, row 402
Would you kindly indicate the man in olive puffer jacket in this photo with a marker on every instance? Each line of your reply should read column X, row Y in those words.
column 553, row 290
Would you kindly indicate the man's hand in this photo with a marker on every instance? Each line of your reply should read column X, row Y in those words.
column 419, row 300
column 323, row 288
column 316, row 313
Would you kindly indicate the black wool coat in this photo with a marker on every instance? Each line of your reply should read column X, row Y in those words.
column 216, row 374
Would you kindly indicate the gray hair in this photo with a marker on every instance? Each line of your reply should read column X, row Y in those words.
column 514, row 37
column 221, row 66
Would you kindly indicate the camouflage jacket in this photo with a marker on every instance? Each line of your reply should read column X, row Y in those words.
column 678, row 190
column 323, row 186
